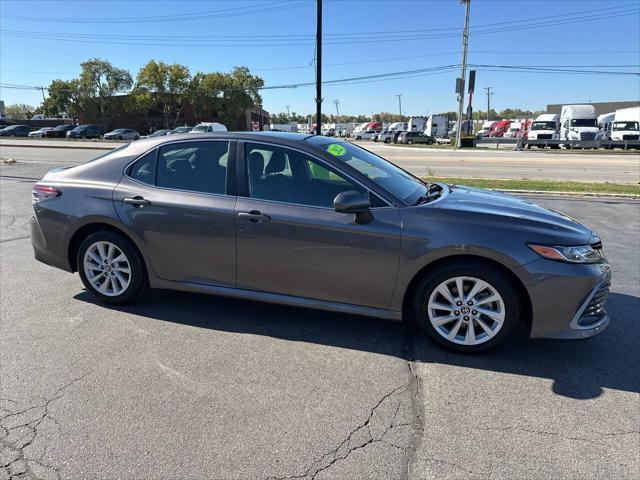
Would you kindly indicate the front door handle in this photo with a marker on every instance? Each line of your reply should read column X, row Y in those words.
column 254, row 216
column 136, row 201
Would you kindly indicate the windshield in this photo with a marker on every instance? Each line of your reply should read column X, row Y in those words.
column 119, row 130
column 625, row 126
column 393, row 179
column 584, row 122
column 543, row 126
column 200, row 128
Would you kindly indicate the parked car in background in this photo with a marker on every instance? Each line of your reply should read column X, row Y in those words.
column 396, row 135
column 158, row 133
column 378, row 136
column 122, row 134
column 183, row 129
column 367, row 134
column 40, row 132
column 208, row 127
column 84, row 131
column 15, row 131
column 472, row 268
column 59, row 132
column 409, row 138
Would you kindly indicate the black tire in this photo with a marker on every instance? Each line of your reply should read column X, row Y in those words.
column 492, row 275
column 429, row 142
column 409, row 142
column 138, row 282
column 387, row 140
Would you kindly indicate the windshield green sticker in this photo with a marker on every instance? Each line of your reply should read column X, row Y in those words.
column 337, row 150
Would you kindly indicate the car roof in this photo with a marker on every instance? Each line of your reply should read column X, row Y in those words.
column 281, row 138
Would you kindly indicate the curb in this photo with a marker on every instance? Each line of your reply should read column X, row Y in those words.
column 626, row 196
column 76, row 147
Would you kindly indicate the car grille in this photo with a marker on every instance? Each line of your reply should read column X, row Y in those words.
column 595, row 310
column 544, row 136
column 587, row 136
column 630, row 137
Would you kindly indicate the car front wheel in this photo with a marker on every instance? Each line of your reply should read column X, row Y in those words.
column 467, row 307
column 111, row 268
column 409, row 142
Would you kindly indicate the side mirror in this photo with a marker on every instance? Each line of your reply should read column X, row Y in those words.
column 354, row 202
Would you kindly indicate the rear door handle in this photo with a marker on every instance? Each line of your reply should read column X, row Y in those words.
column 254, row 216
column 136, row 201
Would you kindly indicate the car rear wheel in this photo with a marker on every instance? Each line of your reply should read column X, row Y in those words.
column 409, row 142
column 467, row 307
column 111, row 268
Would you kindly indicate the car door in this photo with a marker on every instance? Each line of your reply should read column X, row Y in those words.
column 291, row 241
column 175, row 200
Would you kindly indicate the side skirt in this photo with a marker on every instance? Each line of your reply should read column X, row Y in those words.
column 278, row 298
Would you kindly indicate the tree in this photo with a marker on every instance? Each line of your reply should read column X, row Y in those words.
column 99, row 81
column 64, row 98
column 20, row 111
column 225, row 95
column 166, row 86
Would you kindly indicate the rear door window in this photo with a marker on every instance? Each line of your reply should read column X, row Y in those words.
column 193, row 166
column 144, row 170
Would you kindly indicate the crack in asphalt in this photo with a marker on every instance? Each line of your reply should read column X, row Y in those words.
column 15, row 438
column 417, row 410
column 361, row 436
column 357, row 439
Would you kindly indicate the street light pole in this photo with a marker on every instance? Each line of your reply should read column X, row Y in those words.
column 318, row 66
column 463, row 71
column 337, row 102
column 399, row 95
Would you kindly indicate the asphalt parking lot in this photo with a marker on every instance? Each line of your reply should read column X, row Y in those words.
column 189, row 386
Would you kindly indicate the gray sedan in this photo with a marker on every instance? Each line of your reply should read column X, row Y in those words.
column 312, row 221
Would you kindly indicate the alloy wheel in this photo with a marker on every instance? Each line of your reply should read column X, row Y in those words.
column 107, row 268
column 466, row 310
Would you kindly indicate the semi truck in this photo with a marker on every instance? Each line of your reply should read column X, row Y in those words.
column 437, row 126
column 578, row 122
column 626, row 124
column 499, row 128
column 546, row 126
column 416, row 124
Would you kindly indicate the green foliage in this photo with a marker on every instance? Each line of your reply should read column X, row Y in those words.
column 165, row 87
column 64, row 98
column 20, row 111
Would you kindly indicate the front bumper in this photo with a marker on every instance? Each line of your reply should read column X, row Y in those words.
column 568, row 301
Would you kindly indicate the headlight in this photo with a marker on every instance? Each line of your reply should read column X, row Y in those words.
column 578, row 254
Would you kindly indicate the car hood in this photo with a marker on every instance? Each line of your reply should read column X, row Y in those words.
column 543, row 224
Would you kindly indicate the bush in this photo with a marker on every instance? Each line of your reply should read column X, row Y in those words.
column 465, row 142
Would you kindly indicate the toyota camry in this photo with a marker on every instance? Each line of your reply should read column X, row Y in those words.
column 316, row 222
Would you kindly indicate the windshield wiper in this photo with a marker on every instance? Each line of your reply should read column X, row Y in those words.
column 433, row 192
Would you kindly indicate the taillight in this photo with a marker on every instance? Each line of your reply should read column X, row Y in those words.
column 43, row 192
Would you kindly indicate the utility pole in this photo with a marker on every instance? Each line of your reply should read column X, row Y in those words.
column 337, row 102
column 288, row 112
column 318, row 66
column 489, row 93
column 399, row 95
column 42, row 90
column 463, row 70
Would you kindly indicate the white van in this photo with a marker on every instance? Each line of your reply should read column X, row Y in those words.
column 626, row 124
column 206, row 127
column 578, row 122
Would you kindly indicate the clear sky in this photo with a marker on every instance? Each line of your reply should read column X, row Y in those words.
column 44, row 40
